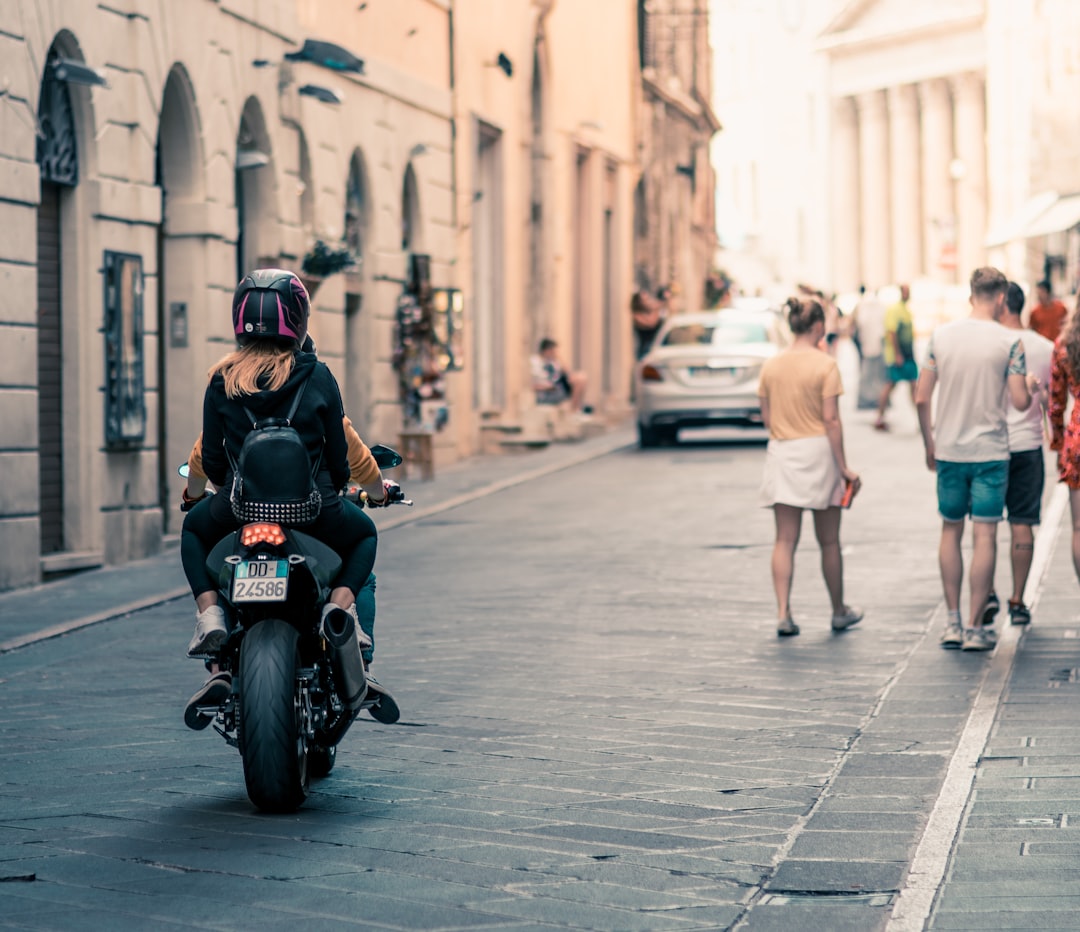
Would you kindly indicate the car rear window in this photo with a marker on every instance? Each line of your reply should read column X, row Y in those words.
column 718, row 334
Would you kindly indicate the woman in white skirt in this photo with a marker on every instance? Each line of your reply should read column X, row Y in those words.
column 805, row 465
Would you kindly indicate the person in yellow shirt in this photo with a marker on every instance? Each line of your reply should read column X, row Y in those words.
column 805, row 464
column 899, row 352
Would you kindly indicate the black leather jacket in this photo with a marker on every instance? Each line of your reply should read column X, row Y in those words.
column 318, row 421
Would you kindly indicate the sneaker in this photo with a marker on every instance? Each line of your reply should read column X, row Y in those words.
column 978, row 639
column 386, row 709
column 1019, row 613
column 213, row 694
column 953, row 635
column 361, row 638
column 210, row 632
column 786, row 628
column 850, row 616
column 992, row 607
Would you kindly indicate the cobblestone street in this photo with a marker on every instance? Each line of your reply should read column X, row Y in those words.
column 600, row 729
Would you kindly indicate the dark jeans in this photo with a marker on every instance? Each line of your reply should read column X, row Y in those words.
column 341, row 525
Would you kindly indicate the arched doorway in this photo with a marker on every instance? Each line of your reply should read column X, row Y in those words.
column 181, row 285
column 255, row 213
column 359, row 329
column 58, row 163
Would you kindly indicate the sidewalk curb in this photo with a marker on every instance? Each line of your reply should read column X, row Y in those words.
column 931, row 860
column 615, row 444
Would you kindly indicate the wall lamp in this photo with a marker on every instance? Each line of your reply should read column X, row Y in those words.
column 251, row 158
column 504, row 64
column 325, row 94
column 70, row 71
column 328, row 55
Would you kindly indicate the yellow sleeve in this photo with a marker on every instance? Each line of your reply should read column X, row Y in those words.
column 833, row 384
column 194, row 460
column 362, row 466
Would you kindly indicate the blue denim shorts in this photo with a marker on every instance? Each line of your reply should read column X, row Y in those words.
column 976, row 489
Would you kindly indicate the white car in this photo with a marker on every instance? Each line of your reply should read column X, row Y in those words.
column 702, row 371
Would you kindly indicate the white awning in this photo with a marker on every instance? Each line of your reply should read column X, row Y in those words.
column 1017, row 225
column 1063, row 214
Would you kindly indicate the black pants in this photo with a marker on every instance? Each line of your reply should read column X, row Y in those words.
column 341, row 525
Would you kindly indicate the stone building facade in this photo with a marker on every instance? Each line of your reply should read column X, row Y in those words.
column 675, row 200
column 149, row 153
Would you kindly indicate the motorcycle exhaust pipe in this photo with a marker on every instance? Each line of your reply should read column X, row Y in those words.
column 340, row 632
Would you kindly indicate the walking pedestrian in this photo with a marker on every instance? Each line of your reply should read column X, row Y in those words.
column 978, row 367
column 870, row 333
column 805, row 465
column 1065, row 382
column 1027, row 466
column 648, row 315
column 899, row 353
column 1049, row 314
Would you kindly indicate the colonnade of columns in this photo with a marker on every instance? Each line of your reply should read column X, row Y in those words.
column 909, row 182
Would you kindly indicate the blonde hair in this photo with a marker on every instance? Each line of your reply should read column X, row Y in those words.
column 244, row 369
column 1070, row 342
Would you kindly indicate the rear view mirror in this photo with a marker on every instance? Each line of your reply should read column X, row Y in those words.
column 182, row 470
column 385, row 457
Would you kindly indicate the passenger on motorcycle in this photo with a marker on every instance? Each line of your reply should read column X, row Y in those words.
column 270, row 318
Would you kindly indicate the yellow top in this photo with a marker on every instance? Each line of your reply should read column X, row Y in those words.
column 796, row 383
column 898, row 321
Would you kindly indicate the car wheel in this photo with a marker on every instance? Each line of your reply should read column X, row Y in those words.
column 669, row 435
column 647, row 436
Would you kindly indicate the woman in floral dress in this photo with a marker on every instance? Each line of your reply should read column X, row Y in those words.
column 1065, row 438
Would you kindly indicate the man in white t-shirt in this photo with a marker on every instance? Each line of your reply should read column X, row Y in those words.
column 978, row 368
column 1027, row 467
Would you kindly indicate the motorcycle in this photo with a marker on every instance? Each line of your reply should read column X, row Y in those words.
column 295, row 692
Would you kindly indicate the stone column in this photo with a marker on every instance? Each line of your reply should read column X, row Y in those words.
column 904, row 154
column 970, row 171
column 874, row 189
column 845, row 219
column 938, row 211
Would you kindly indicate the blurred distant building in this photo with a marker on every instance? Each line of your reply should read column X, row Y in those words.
column 675, row 199
column 903, row 140
column 475, row 158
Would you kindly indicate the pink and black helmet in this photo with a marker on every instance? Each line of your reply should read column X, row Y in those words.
column 270, row 304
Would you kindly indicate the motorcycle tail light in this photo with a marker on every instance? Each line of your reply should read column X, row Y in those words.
column 651, row 374
column 265, row 533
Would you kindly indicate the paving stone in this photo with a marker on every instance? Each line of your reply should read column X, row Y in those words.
column 830, row 913
column 837, row 876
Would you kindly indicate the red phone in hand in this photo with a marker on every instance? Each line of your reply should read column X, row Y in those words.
column 849, row 494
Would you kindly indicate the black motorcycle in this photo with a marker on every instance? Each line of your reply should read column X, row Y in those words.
column 295, row 692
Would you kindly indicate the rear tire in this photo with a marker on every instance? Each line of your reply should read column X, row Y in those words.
column 648, row 437
column 272, row 745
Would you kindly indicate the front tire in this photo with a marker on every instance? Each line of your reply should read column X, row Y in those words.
column 272, row 743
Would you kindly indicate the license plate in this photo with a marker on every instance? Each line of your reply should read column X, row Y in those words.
column 261, row 581
column 727, row 372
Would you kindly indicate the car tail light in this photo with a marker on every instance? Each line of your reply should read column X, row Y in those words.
column 651, row 374
column 253, row 534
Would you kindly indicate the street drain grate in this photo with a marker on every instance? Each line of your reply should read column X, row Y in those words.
column 802, row 896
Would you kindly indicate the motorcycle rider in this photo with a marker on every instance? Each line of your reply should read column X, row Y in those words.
column 270, row 312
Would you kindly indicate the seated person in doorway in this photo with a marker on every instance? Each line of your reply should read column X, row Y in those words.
column 552, row 383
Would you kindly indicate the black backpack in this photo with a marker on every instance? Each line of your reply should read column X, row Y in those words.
column 274, row 479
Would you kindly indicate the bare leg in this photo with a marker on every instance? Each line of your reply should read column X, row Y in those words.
column 788, row 526
column 205, row 599
column 983, row 557
column 883, row 402
column 343, row 597
column 951, row 561
column 827, row 531
column 578, row 384
column 1074, row 507
column 1023, row 549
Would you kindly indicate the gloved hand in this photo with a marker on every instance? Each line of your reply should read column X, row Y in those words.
column 392, row 493
column 187, row 503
